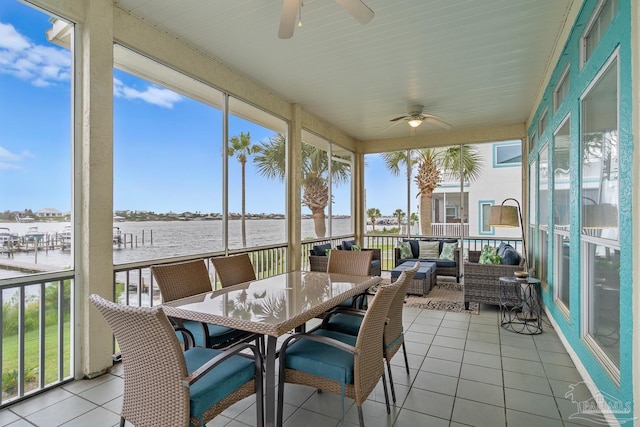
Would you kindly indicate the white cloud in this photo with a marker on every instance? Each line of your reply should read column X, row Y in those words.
column 43, row 66
column 152, row 94
column 38, row 64
column 9, row 160
column 11, row 39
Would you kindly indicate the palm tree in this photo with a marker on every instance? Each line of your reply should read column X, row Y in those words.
column 271, row 163
column 432, row 162
column 399, row 214
column 240, row 146
column 373, row 214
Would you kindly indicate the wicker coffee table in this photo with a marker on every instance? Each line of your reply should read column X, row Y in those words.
column 424, row 279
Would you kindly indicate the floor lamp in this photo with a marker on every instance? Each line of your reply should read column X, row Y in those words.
column 511, row 217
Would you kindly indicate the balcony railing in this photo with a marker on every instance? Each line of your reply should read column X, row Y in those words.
column 141, row 289
column 37, row 339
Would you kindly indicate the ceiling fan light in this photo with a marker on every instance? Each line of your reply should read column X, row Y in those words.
column 415, row 122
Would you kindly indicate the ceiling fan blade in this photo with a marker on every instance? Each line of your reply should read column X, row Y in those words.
column 357, row 9
column 288, row 18
column 389, row 127
column 436, row 121
column 398, row 118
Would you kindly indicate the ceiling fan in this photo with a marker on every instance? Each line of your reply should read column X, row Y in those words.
column 415, row 117
column 293, row 8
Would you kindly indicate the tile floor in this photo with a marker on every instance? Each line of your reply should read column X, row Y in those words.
column 465, row 370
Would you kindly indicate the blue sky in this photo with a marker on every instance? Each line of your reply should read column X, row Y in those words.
column 167, row 147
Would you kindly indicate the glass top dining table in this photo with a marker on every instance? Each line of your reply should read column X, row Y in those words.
column 272, row 307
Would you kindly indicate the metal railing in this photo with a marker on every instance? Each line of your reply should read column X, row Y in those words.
column 444, row 229
column 133, row 283
column 37, row 341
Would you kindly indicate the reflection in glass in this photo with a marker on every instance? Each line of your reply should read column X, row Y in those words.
column 561, row 207
column 341, row 167
column 256, row 195
column 600, row 180
column 603, row 287
column 562, row 251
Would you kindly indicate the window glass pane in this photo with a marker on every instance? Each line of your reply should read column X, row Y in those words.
column 562, row 258
column 603, row 287
column 562, row 89
column 315, row 186
column 257, row 195
column 341, row 167
column 385, row 177
column 533, row 169
column 484, row 222
column 561, row 206
column 167, row 162
column 600, row 157
column 507, row 154
column 543, row 186
column 35, row 142
column 542, row 123
column 600, row 23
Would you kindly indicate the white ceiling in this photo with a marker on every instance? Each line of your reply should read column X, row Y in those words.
column 475, row 63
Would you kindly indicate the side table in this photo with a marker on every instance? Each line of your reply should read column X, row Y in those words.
column 521, row 305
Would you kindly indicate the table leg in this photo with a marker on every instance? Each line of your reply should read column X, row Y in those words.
column 270, row 382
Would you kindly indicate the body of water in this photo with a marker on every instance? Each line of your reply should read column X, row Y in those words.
column 170, row 239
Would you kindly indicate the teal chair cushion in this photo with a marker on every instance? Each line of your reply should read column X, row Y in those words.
column 217, row 334
column 218, row 383
column 321, row 359
column 345, row 323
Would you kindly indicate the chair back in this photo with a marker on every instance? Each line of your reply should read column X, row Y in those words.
column 182, row 279
column 393, row 328
column 356, row 263
column 369, row 366
column 234, row 269
column 154, row 365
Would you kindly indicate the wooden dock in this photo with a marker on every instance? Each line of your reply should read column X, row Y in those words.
column 26, row 267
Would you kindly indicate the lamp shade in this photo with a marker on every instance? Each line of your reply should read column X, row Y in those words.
column 599, row 216
column 503, row 216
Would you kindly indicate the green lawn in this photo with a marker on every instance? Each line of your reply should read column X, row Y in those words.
column 32, row 352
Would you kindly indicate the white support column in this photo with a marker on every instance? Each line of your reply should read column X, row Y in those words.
column 93, row 185
column 359, row 208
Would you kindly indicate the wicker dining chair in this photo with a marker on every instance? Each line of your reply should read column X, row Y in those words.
column 234, row 269
column 164, row 386
column 184, row 279
column 340, row 363
column 356, row 263
column 349, row 321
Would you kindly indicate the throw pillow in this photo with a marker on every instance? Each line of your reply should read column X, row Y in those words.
column 487, row 251
column 510, row 256
column 346, row 244
column 495, row 259
column 449, row 251
column 429, row 250
column 356, row 248
column 405, row 250
column 321, row 250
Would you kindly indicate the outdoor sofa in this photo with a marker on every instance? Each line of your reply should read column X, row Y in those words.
column 481, row 281
column 444, row 267
column 320, row 256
